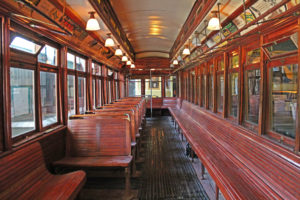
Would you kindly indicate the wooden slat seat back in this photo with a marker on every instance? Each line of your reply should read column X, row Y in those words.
column 23, row 175
column 141, row 102
column 105, row 115
column 92, row 137
column 169, row 102
column 126, row 108
column 134, row 107
column 244, row 165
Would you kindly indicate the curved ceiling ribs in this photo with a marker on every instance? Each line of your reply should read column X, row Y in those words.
column 152, row 26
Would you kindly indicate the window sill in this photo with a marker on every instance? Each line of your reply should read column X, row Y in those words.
column 39, row 135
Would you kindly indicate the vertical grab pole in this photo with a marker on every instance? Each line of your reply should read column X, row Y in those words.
column 151, row 90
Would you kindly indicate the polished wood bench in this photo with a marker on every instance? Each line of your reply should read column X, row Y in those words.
column 243, row 165
column 99, row 142
column 106, row 114
column 23, row 175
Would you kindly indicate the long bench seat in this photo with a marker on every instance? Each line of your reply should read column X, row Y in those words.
column 243, row 165
column 23, row 175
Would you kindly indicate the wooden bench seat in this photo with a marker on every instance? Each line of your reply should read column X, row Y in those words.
column 23, row 175
column 103, row 161
column 94, row 143
column 243, row 165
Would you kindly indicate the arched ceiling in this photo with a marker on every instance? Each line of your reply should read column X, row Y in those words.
column 152, row 25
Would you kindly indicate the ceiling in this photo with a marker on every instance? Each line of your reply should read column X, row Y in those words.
column 152, row 25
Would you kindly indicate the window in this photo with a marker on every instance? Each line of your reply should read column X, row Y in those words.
column 233, row 94
column 220, row 85
column 210, row 86
column 76, row 84
column 48, row 86
column 97, row 87
column 94, row 93
column 25, row 45
column 203, row 90
column 135, row 87
column 71, row 61
column 233, row 84
column 48, row 55
column 71, row 95
column 99, row 103
column 252, row 86
column 283, row 99
column 285, row 46
column 252, row 95
column 80, row 64
column 170, row 86
column 82, row 94
column 153, row 87
column 22, row 101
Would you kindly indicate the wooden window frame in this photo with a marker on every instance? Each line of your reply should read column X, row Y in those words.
column 25, row 62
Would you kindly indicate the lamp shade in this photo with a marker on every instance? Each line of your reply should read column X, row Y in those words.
column 128, row 62
column 118, row 52
column 132, row 66
column 92, row 24
column 109, row 42
column 175, row 62
column 124, row 58
column 214, row 24
column 186, row 51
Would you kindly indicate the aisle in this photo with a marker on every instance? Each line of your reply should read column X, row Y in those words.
column 167, row 172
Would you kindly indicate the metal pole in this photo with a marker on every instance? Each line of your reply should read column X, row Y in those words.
column 151, row 90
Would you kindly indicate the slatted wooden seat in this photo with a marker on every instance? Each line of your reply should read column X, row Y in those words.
column 94, row 143
column 23, row 175
column 243, row 165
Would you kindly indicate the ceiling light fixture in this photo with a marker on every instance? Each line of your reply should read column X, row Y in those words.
column 118, row 51
column 109, row 42
column 92, row 24
column 214, row 22
column 128, row 62
column 132, row 66
column 124, row 58
column 175, row 62
column 186, row 50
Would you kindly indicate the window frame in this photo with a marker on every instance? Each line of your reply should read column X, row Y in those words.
column 30, row 62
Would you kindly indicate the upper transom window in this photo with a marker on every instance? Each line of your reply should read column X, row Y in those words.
column 25, row 45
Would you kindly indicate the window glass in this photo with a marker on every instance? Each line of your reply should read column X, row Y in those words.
column 109, row 92
column 94, row 93
column 99, row 93
column 233, row 94
column 203, row 90
column 283, row 99
column 284, row 46
column 110, row 72
column 71, row 95
column 80, row 64
column 253, row 56
column 221, row 65
column 25, row 45
column 22, row 101
column 117, row 89
column 170, row 86
column 252, row 95
column 234, row 60
column 71, row 61
column 82, row 94
column 155, row 86
column 211, row 87
column 135, row 87
column 48, row 55
column 220, row 94
column 48, row 98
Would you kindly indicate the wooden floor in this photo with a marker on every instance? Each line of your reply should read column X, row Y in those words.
column 166, row 172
